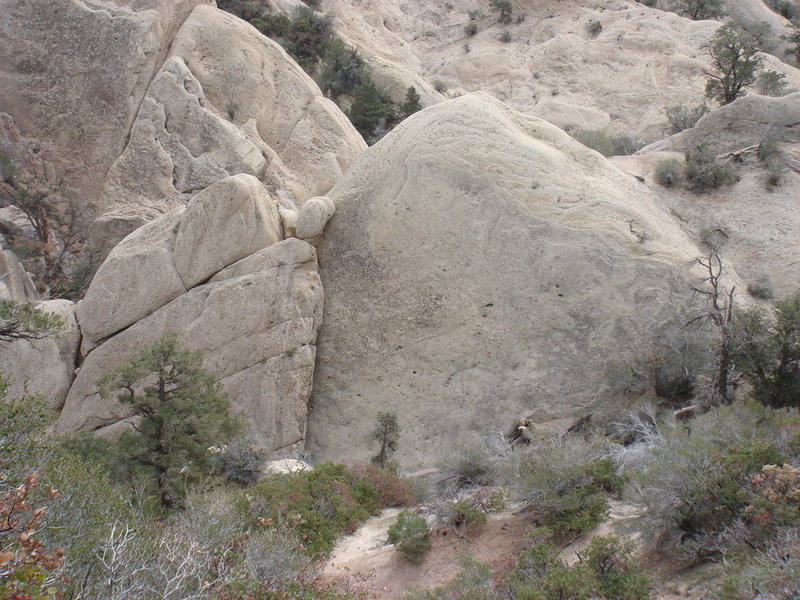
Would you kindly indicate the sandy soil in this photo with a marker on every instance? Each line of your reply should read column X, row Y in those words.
column 366, row 562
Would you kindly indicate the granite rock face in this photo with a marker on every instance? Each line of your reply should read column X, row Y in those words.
column 109, row 90
column 44, row 367
column 255, row 323
column 15, row 283
column 229, row 220
column 480, row 266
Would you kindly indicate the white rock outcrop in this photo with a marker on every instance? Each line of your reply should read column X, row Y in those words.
column 480, row 266
column 135, row 108
column 227, row 221
column 256, row 324
column 44, row 367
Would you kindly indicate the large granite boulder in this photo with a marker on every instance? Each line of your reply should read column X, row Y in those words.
column 73, row 74
column 133, row 108
column 227, row 101
column 228, row 221
column 255, row 323
column 482, row 266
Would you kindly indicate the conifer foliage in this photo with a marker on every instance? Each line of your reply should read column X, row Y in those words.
column 182, row 413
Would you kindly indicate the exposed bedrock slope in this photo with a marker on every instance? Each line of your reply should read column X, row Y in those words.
column 482, row 266
column 219, row 274
column 620, row 77
column 756, row 224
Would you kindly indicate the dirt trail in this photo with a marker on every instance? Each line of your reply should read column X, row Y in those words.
column 365, row 560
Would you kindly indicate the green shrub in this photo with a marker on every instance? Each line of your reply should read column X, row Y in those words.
column 391, row 489
column 466, row 514
column 697, row 9
column 594, row 27
column 238, row 463
column 695, row 481
column 703, row 171
column 606, row 144
column 319, row 505
column 768, row 354
column 305, row 36
column 682, row 117
column 471, row 28
column 760, row 290
column 505, row 37
column 605, row 571
column 668, row 172
column 342, row 69
column 467, row 464
column 371, row 114
column 473, row 582
column 410, row 534
column 565, row 482
column 411, row 103
column 785, row 8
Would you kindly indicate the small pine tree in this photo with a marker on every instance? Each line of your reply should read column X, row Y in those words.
column 26, row 322
column 411, row 535
column 369, row 111
column 182, row 413
column 387, row 432
column 411, row 104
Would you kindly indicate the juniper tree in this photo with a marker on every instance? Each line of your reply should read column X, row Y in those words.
column 735, row 60
column 699, row 9
column 181, row 410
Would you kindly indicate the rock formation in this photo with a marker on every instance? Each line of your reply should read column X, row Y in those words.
column 15, row 283
column 44, row 367
column 756, row 224
column 621, row 77
column 179, row 90
column 480, row 266
column 217, row 274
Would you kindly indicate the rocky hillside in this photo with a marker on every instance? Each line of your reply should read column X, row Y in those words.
column 481, row 267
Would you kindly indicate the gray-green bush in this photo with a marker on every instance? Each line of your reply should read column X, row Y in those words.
column 704, row 171
column 669, row 172
column 682, row 117
column 411, row 535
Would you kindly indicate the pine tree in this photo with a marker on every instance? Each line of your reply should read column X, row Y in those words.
column 411, row 104
column 182, row 413
column 387, row 431
column 368, row 110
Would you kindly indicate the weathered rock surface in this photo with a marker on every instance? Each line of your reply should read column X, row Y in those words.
column 757, row 225
column 745, row 122
column 138, row 107
column 228, row 221
column 44, row 367
column 73, row 73
column 480, row 266
column 15, row 283
column 230, row 101
column 256, row 326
